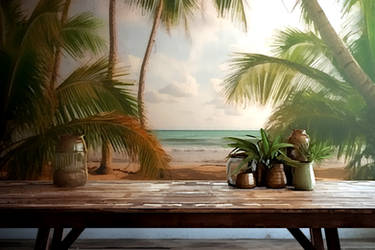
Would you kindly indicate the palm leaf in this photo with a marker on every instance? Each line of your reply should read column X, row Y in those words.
column 122, row 132
column 234, row 8
column 244, row 83
column 88, row 91
column 79, row 34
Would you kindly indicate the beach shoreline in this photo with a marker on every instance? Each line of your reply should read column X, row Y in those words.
column 332, row 169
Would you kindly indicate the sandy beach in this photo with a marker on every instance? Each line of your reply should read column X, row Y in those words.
column 331, row 169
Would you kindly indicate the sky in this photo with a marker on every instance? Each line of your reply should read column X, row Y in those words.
column 183, row 82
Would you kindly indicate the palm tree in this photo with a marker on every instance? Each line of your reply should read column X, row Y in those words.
column 318, row 81
column 170, row 13
column 57, row 56
column 80, row 104
column 106, row 161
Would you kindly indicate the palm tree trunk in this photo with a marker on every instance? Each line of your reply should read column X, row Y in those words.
column 345, row 61
column 142, row 74
column 106, row 161
column 112, row 39
column 57, row 59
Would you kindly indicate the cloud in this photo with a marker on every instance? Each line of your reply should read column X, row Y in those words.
column 154, row 97
column 132, row 63
column 233, row 112
column 219, row 103
column 188, row 88
column 216, row 84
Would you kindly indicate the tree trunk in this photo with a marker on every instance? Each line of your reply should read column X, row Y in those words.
column 106, row 162
column 112, row 38
column 345, row 61
column 57, row 59
column 142, row 74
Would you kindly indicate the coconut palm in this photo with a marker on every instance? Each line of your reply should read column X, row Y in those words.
column 34, row 116
column 106, row 161
column 170, row 13
column 57, row 56
column 319, row 82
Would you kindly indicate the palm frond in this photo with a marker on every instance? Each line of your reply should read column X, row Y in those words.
column 234, row 8
column 328, row 120
column 275, row 81
column 176, row 11
column 79, row 34
column 125, row 135
column 122, row 132
column 11, row 15
column 88, row 91
column 45, row 6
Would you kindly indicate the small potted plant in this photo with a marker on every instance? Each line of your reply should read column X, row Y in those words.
column 260, row 155
column 271, row 151
column 241, row 160
column 303, row 171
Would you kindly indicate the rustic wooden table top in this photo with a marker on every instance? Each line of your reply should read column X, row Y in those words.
column 186, row 204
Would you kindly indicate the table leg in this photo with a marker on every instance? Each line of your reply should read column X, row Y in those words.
column 71, row 237
column 301, row 238
column 41, row 242
column 332, row 238
column 57, row 236
column 316, row 238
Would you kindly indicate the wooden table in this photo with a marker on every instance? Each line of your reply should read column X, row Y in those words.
column 190, row 204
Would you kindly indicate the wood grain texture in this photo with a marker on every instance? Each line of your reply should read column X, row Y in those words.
column 185, row 204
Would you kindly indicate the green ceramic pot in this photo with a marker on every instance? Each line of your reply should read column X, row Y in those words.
column 304, row 177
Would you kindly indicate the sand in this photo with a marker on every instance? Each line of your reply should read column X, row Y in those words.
column 330, row 170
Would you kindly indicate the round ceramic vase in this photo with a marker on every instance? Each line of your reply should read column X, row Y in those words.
column 304, row 177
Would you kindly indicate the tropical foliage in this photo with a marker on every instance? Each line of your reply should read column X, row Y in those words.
column 87, row 102
column 309, row 87
column 263, row 150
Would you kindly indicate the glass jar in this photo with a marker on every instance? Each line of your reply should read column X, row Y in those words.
column 70, row 163
column 232, row 165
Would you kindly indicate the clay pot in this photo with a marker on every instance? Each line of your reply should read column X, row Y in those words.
column 275, row 177
column 260, row 174
column 245, row 180
column 70, row 163
column 299, row 138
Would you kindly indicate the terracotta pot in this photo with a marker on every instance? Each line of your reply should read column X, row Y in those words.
column 260, row 174
column 275, row 177
column 245, row 180
column 298, row 138
column 70, row 163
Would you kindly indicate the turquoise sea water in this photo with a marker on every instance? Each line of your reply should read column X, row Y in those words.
column 199, row 139
column 199, row 145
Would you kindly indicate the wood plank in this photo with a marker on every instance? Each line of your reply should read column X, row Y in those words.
column 207, row 203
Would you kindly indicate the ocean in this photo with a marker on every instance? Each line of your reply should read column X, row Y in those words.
column 190, row 146
column 199, row 146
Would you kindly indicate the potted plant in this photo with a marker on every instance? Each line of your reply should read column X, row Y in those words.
column 241, row 160
column 303, row 171
column 271, row 151
column 259, row 154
